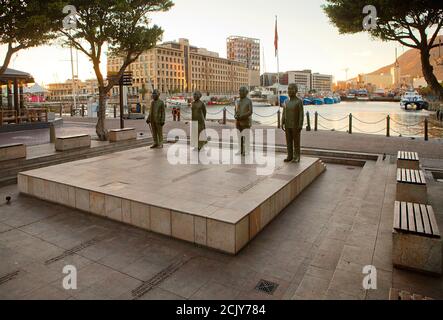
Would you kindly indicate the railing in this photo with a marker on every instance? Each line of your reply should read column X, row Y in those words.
column 349, row 123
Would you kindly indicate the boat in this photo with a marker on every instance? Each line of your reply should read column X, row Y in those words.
column 318, row 101
column 307, row 101
column 177, row 102
column 329, row 100
column 362, row 95
column 412, row 101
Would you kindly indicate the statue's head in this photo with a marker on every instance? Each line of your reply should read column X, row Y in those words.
column 243, row 92
column 292, row 90
column 197, row 95
column 155, row 95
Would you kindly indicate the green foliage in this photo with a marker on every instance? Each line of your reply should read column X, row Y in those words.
column 399, row 20
column 27, row 23
column 122, row 25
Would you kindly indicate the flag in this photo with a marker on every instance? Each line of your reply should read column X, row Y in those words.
column 276, row 37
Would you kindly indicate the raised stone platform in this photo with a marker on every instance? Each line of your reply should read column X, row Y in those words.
column 218, row 206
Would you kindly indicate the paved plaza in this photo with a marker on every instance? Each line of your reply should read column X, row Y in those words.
column 316, row 249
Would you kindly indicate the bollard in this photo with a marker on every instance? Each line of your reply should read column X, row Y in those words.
column 83, row 110
column 51, row 133
column 224, row 116
column 350, row 123
column 388, row 126
column 178, row 114
column 279, row 118
column 316, row 121
column 426, row 130
column 61, row 110
column 174, row 114
column 308, row 119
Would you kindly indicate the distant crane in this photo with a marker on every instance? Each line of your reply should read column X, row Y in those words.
column 346, row 70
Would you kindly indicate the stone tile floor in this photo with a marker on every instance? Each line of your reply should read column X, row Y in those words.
column 315, row 249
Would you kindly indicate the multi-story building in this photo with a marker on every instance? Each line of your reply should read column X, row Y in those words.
column 269, row 79
column 63, row 92
column 303, row 79
column 380, row 81
column 307, row 81
column 246, row 50
column 174, row 67
column 321, row 82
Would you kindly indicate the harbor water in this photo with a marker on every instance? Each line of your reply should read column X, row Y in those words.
column 367, row 117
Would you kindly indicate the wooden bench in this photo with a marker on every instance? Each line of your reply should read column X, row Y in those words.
column 408, row 160
column 12, row 151
column 73, row 142
column 126, row 134
column 411, row 186
column 416, row 238
column 8, row 116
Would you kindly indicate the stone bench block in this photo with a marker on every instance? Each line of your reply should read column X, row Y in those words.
column 417, row 253
column 122, row 135
column 12, row 152
column 408, row 160
column 411, row 186
column 73, row 142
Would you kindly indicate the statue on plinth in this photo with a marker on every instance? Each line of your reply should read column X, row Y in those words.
column 156, row 119
column 292, row 123
column 243, row 117
column 199, row 116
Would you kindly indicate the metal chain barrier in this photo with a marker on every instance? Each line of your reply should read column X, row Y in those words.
column 369, row 123
column 407, row 124
column 333, row 120
column 421, row 132
column 369, row 132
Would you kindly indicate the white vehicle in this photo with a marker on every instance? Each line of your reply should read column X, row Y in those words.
column 411, row 100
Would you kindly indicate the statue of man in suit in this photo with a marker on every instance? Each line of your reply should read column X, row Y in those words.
column 292, row 123
column 156, row 119
column 243, row 117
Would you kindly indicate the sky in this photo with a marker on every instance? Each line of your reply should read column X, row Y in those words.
column 307, row 39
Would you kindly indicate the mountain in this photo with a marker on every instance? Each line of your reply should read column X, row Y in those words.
column 410, row 63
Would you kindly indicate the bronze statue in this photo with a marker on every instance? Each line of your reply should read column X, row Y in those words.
column 292, row 123
column 243, row 117
column 199, row 115
column 156, row 119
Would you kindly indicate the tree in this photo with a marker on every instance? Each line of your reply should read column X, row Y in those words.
column 25, row 24
column 122, row 26
column 413, row 23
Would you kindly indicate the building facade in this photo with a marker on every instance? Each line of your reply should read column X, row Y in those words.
column 247, row 51
column 178, row 67
column 63, row 92
column 308, row 81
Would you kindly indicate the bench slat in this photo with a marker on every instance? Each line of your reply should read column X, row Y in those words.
column 418, row 219
column 413, row 177
column 399, row 175
column 411, row 218
column 423, row 178
column 426, row 223
column 403, row 175
column 397, row 216
column 404, row 217
column 433, row 221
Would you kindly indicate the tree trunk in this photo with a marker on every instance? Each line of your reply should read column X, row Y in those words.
column 428, row 73
column 101, row 114
column 7, row 60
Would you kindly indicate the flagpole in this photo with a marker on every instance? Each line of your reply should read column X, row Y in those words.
column 277, row 48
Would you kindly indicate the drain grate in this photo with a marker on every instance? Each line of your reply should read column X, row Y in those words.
column 266, row 287
column 159, row 278
column 74, row 250
column 9, row 277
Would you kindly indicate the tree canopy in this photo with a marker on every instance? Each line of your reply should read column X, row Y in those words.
column 121, row 26
column 413, row 23
column 27, row 23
